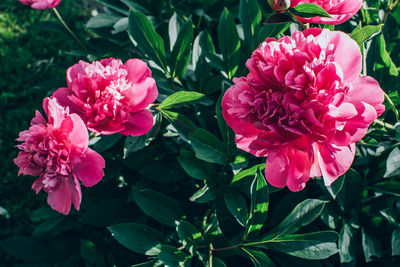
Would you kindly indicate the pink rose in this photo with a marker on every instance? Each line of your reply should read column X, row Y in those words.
column 339, row 10
column 57, row 151
column 40, row 4
column 111, row 97
column 303, row 105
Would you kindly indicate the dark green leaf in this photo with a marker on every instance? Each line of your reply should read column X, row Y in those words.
column 216, row 262
column 336, row 186
column 303, row 214
column 350, row 194
column 180, row 55
column 104, row 142
column 393, row 163
column 313, row 246
column 133, row 144
column 250, row 17
column 371, row 245
column 203, row 195
column 385, row 57
column 132, row 4
column 171, row 256
column 308, row 10
column 259, row 196
column 147, row 39
column 208, row 147
column 102, row 20
column 158, row 206
column 388, row 186
column 396, row 242
column 188, row 234
column 229, row 42
column 115, row 5
column 347, row 243
column 360, row 35
column 137, row 237
column 258, row 258
column 182, row 124
column 192, row 166
column 237, row 205
column 91, row 254
column 180, row 98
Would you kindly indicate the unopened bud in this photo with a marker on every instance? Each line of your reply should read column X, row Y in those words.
column 279, row 5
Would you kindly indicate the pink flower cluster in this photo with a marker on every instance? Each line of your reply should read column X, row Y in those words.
column 57, row 151
column 303, row 106
column 105, row 97
column 40, row 4
column 111, row 97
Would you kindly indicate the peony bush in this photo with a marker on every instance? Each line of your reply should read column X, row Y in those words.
column 199, row 149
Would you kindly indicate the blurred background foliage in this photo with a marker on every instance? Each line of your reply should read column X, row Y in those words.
column 195, row 196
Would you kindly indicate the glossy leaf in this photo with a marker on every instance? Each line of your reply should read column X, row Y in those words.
column 180, row 98
column 308, row 10
column 236, row 205
column 180, row 55
column 208, row 147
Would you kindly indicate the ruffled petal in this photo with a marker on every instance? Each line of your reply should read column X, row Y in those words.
column 89, row 168
column 139, row 124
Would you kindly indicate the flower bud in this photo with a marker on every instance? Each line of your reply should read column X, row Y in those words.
column 279, row 5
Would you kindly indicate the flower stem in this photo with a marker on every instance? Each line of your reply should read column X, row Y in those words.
column 395, row 111
column 304, row 26
column 68, row 28
column 384, row 124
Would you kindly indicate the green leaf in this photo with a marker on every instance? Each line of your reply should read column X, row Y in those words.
column 147, row 39
column 388, row 186
column 258, row 258
column 171, row 256
column 180, row 98
column 271, row 30
column 174, row 26
column 201, row 45
column 132, row 4
column 102, row 20
column 180, row 55
column 104, row 142
column 396, row 242
column 259, row 196
column 192, row 166
column 158, row 206
column 360, row 35
column 347, row 243
column 91, row 254
column 216, row 262
column 236, row 205
column 350, row 194
column 115, row 5
column 189, row 234
column 385, row 57
column 250, row 17
column 313, row 246
column 137, row 237
column 247, row 172
column 182, row 124
column 229, row 42
column 309, row 10
column 303, row 214
column 393, row 163
column 203, row 195
column 336, row 186
column 208, row 147
column 133, row 144
column 371, row 245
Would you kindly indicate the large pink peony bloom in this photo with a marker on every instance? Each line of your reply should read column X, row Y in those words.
column 40, row 4
column 303, row 105
column 111, row 97
column 339, row 10
column 57, row 151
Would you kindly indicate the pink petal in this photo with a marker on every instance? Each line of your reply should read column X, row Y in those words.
column 63, row 96
column 60, row 198
column 138, row 70
column 89, row 168
column 79, row 134
column 334, row 161
column 142, row 94
column 139, row 124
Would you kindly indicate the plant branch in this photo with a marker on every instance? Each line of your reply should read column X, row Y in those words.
column 68, row 28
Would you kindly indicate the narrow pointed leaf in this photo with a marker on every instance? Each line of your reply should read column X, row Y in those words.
column 180, row 98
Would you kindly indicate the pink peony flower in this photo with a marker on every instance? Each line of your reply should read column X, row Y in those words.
column 111, row 97
column 303, row 105
column 339, row 10
column 40, row 4
column 279, row 5
column 57, row 151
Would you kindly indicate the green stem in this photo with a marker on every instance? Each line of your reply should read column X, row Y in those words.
column 304, row 26
column 384, row 124
column 396, row 112
column 68, row 28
